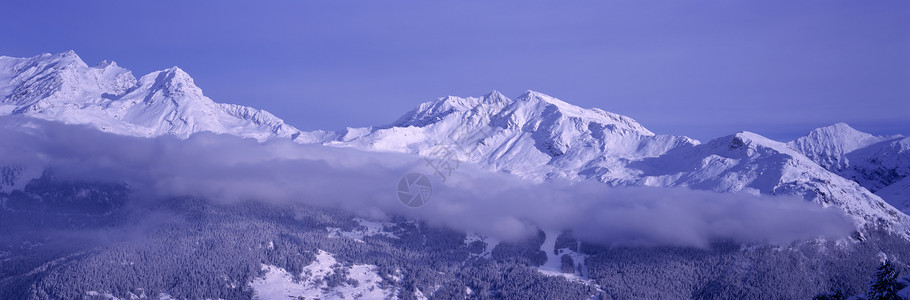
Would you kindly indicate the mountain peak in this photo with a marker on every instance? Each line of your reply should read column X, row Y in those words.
column 531, row 95
column 61, row 87
column 750, row 136
column 495, row 97
column 839, row 129
column 538, row 97
column 51, row 62
column 828, row 145
column 67, row 58
column 68, row 54
column 172, row 81
column 106, row 64
column 494, row 93
column 839, row 125
column 875, row 162
column 176, row 70
column 751, row 140
column 531, row 106
column 51, row 77
column 176, row 74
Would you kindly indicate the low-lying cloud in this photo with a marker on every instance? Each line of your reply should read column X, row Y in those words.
column 227, row 168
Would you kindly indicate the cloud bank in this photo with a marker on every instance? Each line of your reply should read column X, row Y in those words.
column 227, row 169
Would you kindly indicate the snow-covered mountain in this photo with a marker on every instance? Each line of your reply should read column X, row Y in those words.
column 62, row 87
column 878, row 163
column 749, row 162
column 534, row 136
column 829, row 145
column 881, row 164
column 539, row 137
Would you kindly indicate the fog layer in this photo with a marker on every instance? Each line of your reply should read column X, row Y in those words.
column 227, row 169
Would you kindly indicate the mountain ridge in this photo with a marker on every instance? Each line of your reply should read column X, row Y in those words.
column 827, row 145
column 878, row 163
column 63, row 88
column 538, row 140
column 534, row 136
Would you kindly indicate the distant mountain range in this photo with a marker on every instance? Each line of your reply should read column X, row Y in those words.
column 62, row 87
column 881, row 164
column 534, row 136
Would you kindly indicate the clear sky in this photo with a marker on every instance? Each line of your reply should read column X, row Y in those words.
column 697, row 68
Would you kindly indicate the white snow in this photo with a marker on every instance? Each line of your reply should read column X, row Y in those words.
column 277, row 283
column 553, row 263
column 553, row 266
column 63, row 88
column 534, row 136
column 829, row 145
column 103, row 295
column 6, row 109
column 538, row 137
column 881, row 164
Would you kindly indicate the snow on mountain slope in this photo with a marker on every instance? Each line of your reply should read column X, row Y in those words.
column 539, row 137
column 324, row 278
column 829, row 145
column 62, row 87
column 875, row 162
column 748, row 162
column 534, row 136
column 880, row 165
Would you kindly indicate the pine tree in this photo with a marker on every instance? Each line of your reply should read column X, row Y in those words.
column 884, row 284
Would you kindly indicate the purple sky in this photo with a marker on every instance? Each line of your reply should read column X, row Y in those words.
column 699, row 68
